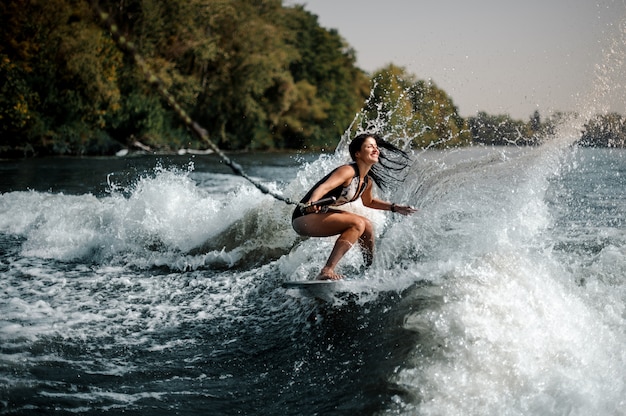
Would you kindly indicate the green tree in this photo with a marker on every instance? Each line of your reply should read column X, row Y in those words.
column 503, row 130
column 246, row 83
column 413, row 110
column 607, row 130
column 170, row 37
column 498, row 130
column 63, row 71
column 255, row 74
column 326, row 62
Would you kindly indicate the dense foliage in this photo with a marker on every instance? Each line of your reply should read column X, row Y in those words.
column 607, row 130
column 413, row 109
column 503, row 130
column 254, row 73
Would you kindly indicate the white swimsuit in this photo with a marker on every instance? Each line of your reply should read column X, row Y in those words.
column 343, row 194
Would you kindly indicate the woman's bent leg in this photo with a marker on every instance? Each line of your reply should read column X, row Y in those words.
column 350, row 227
column 366, row 241
column 339, row 250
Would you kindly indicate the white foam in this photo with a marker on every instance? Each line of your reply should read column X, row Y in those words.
column 511, row 337
column 161, row 217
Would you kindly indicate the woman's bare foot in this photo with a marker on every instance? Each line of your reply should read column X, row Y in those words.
column 328, row 274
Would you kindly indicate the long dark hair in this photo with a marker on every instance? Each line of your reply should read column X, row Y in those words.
column 392, row 161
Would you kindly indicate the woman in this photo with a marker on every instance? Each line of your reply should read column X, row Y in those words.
column 347, row 183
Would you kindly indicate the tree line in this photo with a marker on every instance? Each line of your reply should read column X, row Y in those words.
column 256, row 74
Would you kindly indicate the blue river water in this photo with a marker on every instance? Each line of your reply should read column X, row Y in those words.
column 152, row 285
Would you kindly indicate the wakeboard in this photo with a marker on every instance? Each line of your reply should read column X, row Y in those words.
column 309, row 284
column 326, row 290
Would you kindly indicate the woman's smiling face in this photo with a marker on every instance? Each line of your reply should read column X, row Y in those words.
column 369, row 151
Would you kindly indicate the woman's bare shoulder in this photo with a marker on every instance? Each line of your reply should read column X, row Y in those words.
column 345, row 172
column 347, row 169
column 341, row 175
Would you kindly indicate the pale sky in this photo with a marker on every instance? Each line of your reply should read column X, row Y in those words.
column 499, row 56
